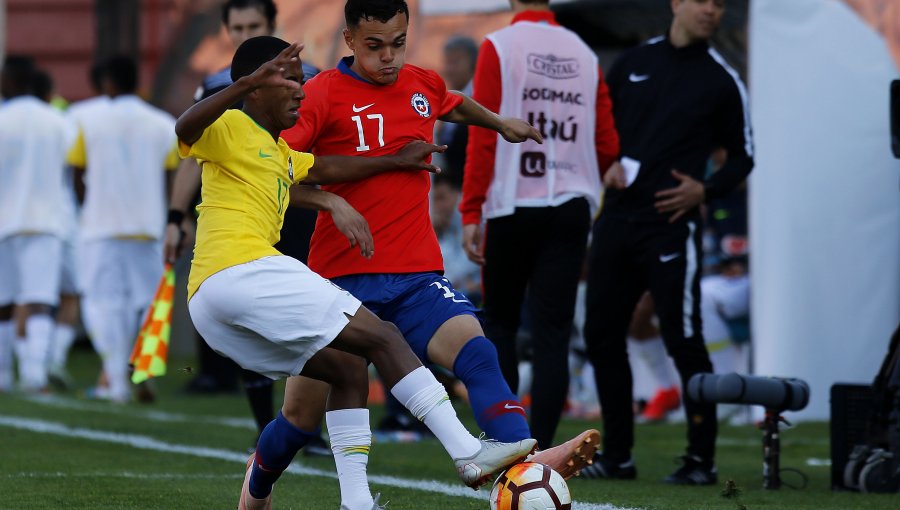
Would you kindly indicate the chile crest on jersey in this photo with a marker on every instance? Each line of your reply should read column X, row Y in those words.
column 420, row 104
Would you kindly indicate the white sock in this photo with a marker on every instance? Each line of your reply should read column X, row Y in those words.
column 63, row 338
column 6, row 355
column 38, row 333
column 351, row 438
column 653, row 353
column 427, row 400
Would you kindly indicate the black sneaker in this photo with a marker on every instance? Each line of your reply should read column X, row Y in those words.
column 604, row 467
column 694, row 471
column 317, row 447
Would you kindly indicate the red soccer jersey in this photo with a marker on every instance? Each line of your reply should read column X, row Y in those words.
column 346, row 115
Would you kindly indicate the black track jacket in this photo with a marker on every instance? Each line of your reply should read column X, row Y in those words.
column 673, row 107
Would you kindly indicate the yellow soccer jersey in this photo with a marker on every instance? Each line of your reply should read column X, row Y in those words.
column 245, row 182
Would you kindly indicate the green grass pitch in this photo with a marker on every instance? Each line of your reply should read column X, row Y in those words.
column 66, row 452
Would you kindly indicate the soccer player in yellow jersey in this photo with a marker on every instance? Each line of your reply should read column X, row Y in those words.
column 269, row 312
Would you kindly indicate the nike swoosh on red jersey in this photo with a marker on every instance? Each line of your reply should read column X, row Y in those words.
column 361, row 108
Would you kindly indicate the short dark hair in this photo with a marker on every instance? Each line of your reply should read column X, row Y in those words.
column 95, row 75
column 42, row 85
column 381, row 10
column 253, row 53
column 19, row 71
column 464, row 44
column 266, row 6
column 122, row 70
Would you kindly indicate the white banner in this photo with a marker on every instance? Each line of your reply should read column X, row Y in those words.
column 824, row 196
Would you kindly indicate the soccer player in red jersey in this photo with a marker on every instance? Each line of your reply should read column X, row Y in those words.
column 373, row 104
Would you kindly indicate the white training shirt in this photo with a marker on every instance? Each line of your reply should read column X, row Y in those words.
column 554, row 88
column 34, row 140
column 76, row 114
column 126, row 146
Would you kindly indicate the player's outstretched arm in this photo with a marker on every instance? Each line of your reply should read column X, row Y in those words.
column 197, row 118
column 335, row 169
column 511, row 129
column 347, row 219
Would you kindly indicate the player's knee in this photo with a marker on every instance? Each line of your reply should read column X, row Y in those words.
column 351, row 373
column 478, row 353
column 387, row 337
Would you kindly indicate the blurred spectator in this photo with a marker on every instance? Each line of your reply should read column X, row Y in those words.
column 725, row 287
column 648, row 237
column 460, row 55
column 34, row 138
column 447, row 222
column 77, row 114
column 646, row 343
column 125, row 146
column 537, row 199
column 66, row 314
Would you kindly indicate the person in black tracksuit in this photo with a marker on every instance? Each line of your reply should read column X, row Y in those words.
column 675, row 100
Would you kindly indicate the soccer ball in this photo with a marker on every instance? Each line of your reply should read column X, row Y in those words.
column 530, row 486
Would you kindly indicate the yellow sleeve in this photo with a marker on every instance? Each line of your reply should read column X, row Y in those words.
column 215, row 142
column 301, row 163
column 173, row 159
column 77, row 156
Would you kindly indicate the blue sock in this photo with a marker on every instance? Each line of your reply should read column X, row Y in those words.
column 277, row 445
column 497, row 410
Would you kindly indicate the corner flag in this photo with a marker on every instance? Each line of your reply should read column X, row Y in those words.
column 152, row 347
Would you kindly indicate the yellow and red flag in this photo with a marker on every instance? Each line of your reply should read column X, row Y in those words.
column 152, row 347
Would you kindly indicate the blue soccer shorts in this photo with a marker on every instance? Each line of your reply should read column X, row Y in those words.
column 417, row 303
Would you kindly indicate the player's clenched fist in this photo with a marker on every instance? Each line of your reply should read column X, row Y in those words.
column 517, row 131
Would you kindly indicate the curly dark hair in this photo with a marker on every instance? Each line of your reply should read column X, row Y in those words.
column 381, row 10
column 253, row 53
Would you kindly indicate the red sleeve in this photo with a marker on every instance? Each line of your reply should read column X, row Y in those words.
column 607, row 138
column 448, row 101
column 482, row 146
column 313, row 113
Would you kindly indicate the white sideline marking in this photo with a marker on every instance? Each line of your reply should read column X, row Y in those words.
column 159, row 416
column 127, row 474
column 148, row 443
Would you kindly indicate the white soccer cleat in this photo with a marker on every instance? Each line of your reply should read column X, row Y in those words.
column 494, row 456
column 376, row 506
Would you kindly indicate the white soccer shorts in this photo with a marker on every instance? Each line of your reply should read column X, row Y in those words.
column 30, row 269
column 68, row 283
column 126, row 271
column 270, row 315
